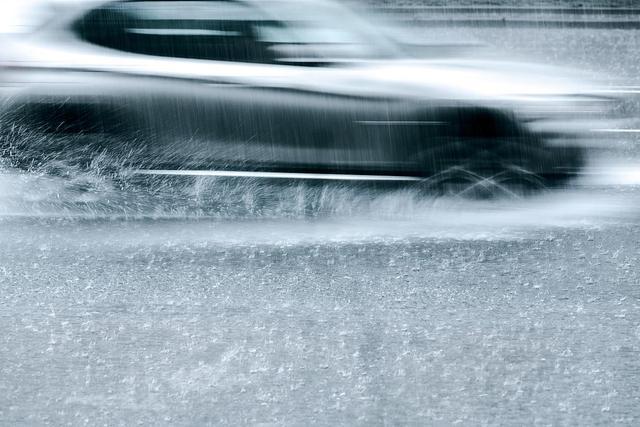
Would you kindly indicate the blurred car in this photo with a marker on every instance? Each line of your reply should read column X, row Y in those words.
column 283, row 88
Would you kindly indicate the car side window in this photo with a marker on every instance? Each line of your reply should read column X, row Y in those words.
column 212, row 30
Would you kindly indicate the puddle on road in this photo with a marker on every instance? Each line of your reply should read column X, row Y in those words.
column 252, row 212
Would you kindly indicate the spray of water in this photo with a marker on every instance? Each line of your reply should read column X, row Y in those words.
column 37, row 181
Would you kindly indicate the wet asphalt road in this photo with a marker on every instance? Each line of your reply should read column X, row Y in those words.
column 105, row 323
column 384, row 311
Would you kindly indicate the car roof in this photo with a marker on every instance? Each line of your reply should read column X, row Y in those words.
column 87, row 4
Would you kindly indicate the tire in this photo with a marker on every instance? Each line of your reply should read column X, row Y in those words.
column 499, row 166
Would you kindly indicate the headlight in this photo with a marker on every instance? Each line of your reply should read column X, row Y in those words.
column 566, row 118
column 569, row 106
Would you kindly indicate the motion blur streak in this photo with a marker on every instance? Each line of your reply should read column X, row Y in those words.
column 276, row 175
column 96, row 110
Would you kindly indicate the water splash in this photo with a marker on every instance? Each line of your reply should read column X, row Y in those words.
column 243, row 211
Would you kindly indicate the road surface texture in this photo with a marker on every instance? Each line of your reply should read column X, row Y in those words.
column 211, row 302
column 111, row 323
